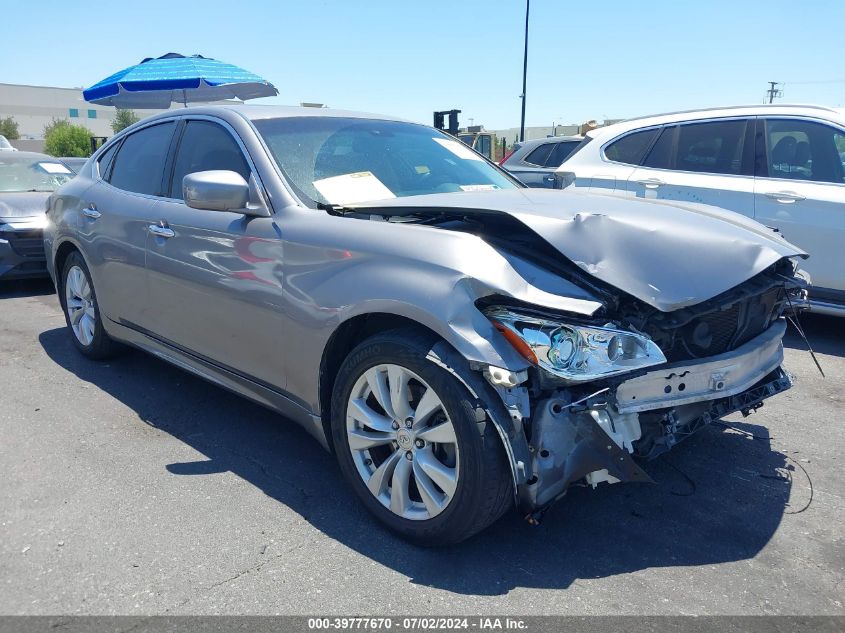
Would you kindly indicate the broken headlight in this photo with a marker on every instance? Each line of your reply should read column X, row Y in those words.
column 578, row 353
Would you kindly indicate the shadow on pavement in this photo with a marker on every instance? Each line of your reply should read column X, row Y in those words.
column 11, row 289
column 825, row 333
column 719, row 496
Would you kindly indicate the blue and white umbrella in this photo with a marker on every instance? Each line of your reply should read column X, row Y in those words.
column 157, row 82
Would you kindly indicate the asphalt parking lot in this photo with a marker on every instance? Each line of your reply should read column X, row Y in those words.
column 131, row 487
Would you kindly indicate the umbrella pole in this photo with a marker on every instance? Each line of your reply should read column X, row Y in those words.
column 184, row 98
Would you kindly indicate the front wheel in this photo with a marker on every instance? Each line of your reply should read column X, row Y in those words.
column 407, row 439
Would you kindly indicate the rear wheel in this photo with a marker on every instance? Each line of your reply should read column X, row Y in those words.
column 82, row 314
column 408, row 441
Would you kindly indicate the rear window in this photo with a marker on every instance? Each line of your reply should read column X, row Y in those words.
column 139, row 165
column 560, row 153
column 584, row 142
column 539, row 155
column 632, row 148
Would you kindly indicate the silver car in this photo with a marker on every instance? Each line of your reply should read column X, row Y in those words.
column 534, row 162
column 461, row 343
column 26, row 181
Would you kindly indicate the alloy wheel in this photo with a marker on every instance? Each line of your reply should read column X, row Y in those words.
column 402, row 441
column 80, row 306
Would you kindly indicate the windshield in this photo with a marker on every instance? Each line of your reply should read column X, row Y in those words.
column 31, row 174
column 342, row 161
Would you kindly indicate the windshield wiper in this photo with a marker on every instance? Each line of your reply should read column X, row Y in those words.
column 335, row 209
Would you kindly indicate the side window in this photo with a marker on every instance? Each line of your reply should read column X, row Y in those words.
column 104, row 164
column 483, row 145
column 631, row 149
column 660, row 156
column 804, row 150
column 139, row 165
column 714, row 147
column 560, row 151
column 205, row 146
column 539, row 155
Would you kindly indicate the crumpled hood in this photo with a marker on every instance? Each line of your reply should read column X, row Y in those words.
column 667, row 254
column 25, row 204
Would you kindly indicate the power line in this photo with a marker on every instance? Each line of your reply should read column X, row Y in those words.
column 818, row 81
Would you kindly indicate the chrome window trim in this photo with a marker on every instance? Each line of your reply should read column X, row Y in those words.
column 670, row 124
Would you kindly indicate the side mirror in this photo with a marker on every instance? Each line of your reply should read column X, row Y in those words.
column 220, row 190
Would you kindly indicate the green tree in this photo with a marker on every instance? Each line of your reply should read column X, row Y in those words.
column 123, row 119
column 54, row 125
column 9, row 128
column 63, row 139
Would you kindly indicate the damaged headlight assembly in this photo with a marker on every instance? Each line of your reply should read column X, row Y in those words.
column 575, row 352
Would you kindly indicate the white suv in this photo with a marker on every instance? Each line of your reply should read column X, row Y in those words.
column 781, row 165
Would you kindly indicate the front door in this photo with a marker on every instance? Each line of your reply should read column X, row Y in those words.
column 215, row 277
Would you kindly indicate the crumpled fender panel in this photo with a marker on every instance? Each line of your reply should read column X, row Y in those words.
column 664, row 253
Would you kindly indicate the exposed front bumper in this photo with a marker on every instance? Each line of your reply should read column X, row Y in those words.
column 596, row 441
column 706, row 379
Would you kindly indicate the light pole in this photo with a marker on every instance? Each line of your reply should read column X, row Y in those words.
column 524, row 73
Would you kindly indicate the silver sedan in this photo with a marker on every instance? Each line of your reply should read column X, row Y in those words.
column 461, row 343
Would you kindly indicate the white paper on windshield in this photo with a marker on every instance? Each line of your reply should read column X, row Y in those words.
column 458, row 149
column 54, row 168
column 478, row 187
column 350, row 188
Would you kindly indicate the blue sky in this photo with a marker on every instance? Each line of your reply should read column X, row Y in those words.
column 586, row 60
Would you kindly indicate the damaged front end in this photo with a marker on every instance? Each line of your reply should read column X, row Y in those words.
column 630, row 384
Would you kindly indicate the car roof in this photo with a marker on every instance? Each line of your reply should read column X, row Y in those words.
column 550, row 139
column 259, row 112
column 719, row 112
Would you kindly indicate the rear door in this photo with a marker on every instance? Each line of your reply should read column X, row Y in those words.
column 113, row 223
column 617, row 161
column 707, row 162
column 215, row 277
column 800, row 190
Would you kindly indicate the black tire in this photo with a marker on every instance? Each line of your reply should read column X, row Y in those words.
column 101, row 346
column 484, row 489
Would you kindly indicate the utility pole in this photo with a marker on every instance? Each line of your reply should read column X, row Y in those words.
column 773, row 92
column 524, row 74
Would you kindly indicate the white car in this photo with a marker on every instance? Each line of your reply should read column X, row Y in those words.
column 782, row 165
column 5, row 145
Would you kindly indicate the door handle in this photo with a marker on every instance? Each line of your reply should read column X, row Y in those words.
column 91, row 212
column 161, row 231
column 785, row 197
column 651, row 183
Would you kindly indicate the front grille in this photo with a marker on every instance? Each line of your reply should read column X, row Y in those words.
column 26, row 243
column 721, row 330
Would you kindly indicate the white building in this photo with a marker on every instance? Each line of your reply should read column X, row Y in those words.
column 34, row 107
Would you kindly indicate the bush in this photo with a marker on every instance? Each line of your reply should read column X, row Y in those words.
column 9, row 128
column 123, row 119
column 63, row 139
